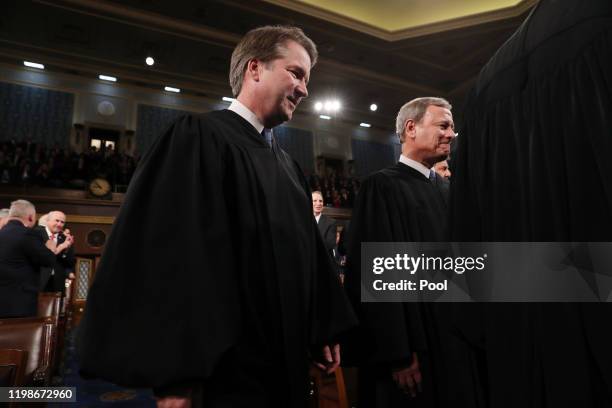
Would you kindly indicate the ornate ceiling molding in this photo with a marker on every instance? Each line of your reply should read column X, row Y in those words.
column 416, row 31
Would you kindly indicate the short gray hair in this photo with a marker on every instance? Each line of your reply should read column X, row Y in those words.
column 21, row 209
column 415, row 110
column 266, row 44
column 42, row 221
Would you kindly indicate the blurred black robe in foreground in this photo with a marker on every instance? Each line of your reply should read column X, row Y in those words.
column 533, row 164
column 215, row 273
column 399, row 204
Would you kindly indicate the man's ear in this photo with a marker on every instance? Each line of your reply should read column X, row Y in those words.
column 253, row 69
column 410, row 129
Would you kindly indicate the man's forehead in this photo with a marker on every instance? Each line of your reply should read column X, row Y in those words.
column 439, row 113
column 57, row 216
column 297, row 54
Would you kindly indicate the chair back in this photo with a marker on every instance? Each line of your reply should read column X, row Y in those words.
column 49, row 304
column 327, row 390
column 34, row 335
column 12, row 367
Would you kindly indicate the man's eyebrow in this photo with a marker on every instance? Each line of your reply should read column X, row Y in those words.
column 300, row 70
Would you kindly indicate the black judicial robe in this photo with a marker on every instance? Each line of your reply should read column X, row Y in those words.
column 399, row 204
column 533, row 164
column 214, row 258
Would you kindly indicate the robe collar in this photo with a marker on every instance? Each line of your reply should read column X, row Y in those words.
column 415, row 165
column 246, row 114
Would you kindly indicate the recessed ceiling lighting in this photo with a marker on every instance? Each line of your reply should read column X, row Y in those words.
column 171, row 89
column 107, row 78
column 325, row 117
column 329, row 106
column 366, row 125
column 373, row 107
column 227, row 99
column 149, row 61
column 33, row 65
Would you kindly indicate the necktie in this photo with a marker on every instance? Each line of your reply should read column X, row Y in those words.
column 267, row 135
column 432, row 176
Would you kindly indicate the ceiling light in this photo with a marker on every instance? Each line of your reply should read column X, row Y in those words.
column 335, row 106
column 318, row 106
column 107, row 78
column 325, row 117
column 366, row 125
column 226, row 99
column 373, row 107
column 149, row 61
column 171, row 89
column 327, row 105
column 33, row 65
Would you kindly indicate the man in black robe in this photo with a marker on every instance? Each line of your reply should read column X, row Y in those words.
column 533, row 164
column 407, row 352
column 215, row 283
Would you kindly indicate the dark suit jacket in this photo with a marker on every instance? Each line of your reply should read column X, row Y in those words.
column 21, row 255
column 64, row 261
column 327, row 228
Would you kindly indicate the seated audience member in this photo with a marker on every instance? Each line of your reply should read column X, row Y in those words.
column 26, row 163
column 22, row 253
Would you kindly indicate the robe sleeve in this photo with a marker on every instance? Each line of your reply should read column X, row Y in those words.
column 163, row 306
column 389, row 332
column 333, row 314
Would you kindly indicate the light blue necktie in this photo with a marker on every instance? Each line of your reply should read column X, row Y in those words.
column 267, row 135
column 432, row 176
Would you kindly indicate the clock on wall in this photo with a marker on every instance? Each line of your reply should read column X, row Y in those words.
column 100, row 188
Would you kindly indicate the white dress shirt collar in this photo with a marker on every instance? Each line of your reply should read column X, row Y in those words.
column 50, row 234
column 246, row 114
column 318, row 217
column 415, row 165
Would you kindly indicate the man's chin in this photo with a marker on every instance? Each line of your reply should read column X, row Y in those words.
column 277, row 120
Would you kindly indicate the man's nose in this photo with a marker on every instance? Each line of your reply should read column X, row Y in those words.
column 302, row 89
